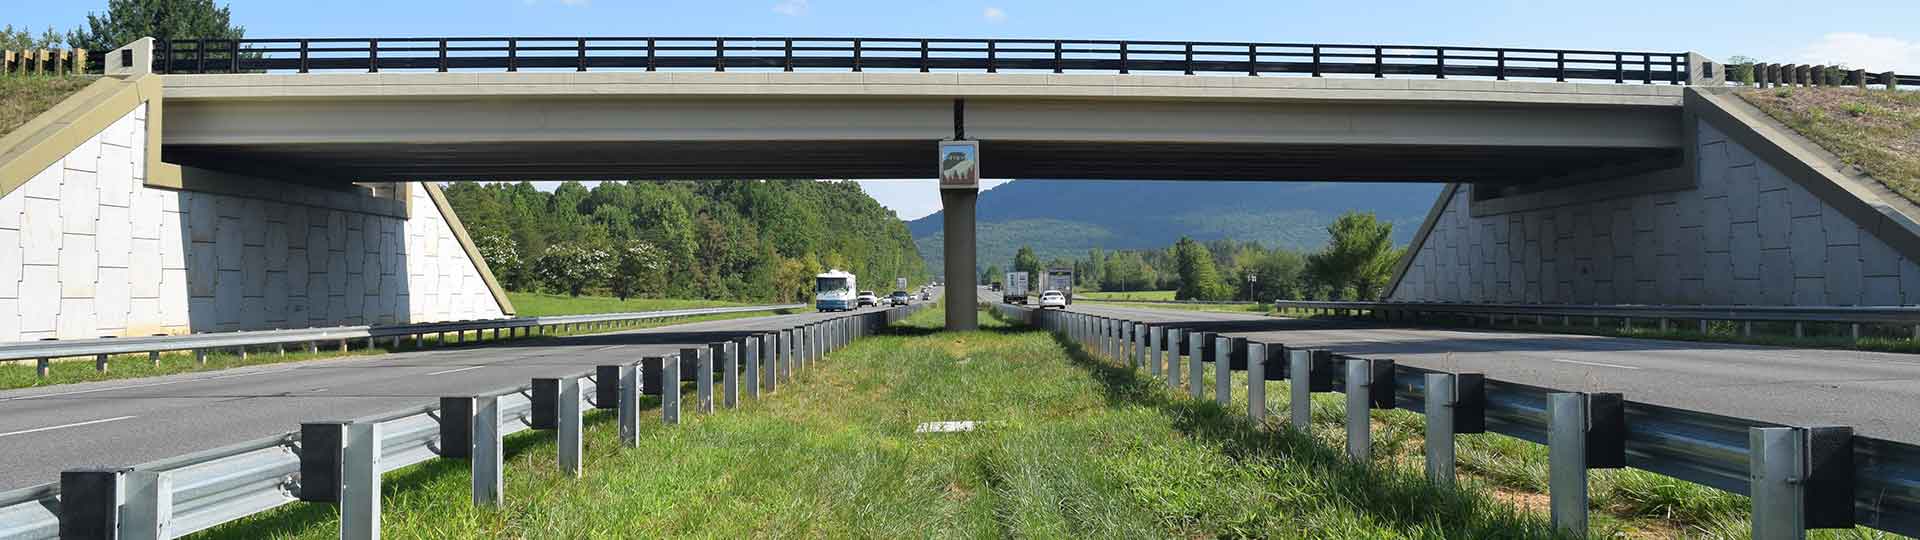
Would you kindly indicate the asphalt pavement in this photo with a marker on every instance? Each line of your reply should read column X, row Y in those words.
column 1876, row 393
column 132, row 421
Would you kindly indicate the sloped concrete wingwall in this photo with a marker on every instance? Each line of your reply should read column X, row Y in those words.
column 88, row 250
column 1746, row 234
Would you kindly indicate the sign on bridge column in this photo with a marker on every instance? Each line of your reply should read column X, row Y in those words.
column 959, row 168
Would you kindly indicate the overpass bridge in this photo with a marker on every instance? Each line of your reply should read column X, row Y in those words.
column 1610, row 148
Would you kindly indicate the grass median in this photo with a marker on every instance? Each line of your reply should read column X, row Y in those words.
column 1065, row 446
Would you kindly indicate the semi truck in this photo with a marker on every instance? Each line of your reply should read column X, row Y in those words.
column 1016, row 288
column 833, row 290
column 1059, row 278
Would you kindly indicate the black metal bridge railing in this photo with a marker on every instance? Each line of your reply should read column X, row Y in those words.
column 303, row 55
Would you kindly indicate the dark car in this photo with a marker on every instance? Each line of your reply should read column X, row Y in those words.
column 899, row 298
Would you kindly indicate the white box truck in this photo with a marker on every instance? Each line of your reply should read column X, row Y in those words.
column 1015, row 291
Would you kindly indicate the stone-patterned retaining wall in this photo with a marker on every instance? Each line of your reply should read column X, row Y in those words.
column 86, row 250
column 1746, row 235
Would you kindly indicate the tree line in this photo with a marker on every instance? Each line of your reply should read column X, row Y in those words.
column 128, row 20
column 1355, row 264
column 759, row 240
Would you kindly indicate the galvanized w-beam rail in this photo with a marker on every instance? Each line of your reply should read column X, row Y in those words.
column 341, row 461
column 1799, row 477
column 1663, row 315
column 101, row 348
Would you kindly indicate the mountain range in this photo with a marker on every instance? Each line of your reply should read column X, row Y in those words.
column 1064, row 218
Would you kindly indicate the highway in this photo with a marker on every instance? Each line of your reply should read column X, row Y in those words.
column 1876, row 393
column 131, row 421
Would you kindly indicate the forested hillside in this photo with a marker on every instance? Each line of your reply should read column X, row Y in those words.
column 1064, row 218
column 732, row 240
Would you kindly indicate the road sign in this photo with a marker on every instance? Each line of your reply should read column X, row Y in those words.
column 959, row 164
column 900, row 284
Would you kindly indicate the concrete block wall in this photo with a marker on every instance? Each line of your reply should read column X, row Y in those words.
column 1747, row 234
column 86, row 250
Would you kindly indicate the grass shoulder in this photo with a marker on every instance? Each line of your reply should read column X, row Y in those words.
column 1875, row 130
column 24, row 97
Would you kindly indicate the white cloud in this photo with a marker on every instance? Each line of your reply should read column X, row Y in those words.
column 791, row 8
column 994, row 14
column 1863, row 51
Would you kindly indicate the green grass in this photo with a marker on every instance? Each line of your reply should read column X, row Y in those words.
column 24, row 97
column 1249, row 307
column 1133, row 295
column 1070, row 447
column 530, row 304
column 66, row 371
column 1875, row 130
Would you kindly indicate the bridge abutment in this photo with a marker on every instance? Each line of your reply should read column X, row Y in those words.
column 1753, row 223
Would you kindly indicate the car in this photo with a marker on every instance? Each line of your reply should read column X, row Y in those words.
column 867, row 298
column 899, row 298
column 1052, row 298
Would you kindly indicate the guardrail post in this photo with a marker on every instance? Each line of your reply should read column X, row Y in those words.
column 1156, row 345
column 360, row 482
column 670, row 389
column 1308, row 371
column 90, row 500
column 1197, row 364
column 1174, row 337
column 788, row 349
column 1460, row 401
column 1359, row 406
column 568, row 437
column 1801, row 478
column 703, row 377
column 484, row 452
column 149, row 505
column 1257, row 382
column 750, row 348
column 730, row 374
column 770, row 352
column 1585, row 431
column 41, row 366
column 1223, row 370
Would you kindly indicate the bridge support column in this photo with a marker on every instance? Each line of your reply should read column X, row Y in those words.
column 957, row 209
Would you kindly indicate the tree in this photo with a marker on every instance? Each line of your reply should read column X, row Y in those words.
column 638, row 267
column 128, row 20
column 1026, row 261
column 572, row 267
column 1740, row 69
column 1199, row 278
column 22, row 39
column 1358, row 259
column 503, row 257
column 991, row 275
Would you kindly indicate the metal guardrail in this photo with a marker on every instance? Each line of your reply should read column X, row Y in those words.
column 1855, row 315
column 177, row 496
column 1815, row 476
column 42, row 350
column 722, row 53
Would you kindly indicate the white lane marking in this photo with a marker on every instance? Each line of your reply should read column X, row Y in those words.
column 64, row 426
column 456, row 370
column 1600, row 364
column 132, row 386
column 608, row 348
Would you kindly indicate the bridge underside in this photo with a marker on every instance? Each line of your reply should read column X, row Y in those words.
column 377, row 162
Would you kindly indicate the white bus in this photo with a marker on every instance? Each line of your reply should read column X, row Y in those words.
column 833, row 290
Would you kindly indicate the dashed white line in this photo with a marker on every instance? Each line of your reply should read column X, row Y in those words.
column 64, row 426
column 1600, row 364
column 608, row 348
column 456, row 370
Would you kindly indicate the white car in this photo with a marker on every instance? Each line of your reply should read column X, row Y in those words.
column 1053, row 298
column 866, row 298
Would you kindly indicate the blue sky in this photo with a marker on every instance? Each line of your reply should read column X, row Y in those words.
column 1874, row 34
